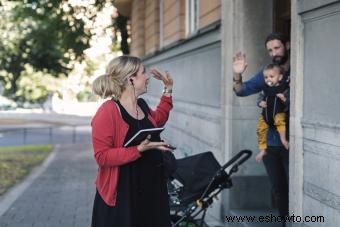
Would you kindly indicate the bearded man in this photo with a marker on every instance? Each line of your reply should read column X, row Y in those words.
column 276, row 157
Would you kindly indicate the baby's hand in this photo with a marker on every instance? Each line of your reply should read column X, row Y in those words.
column 260, row 155
column 281, row 96
column 263, row 104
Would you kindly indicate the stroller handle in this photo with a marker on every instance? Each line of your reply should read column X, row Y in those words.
column 246, row 155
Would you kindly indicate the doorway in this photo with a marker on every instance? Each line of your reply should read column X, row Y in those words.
column 282, row 16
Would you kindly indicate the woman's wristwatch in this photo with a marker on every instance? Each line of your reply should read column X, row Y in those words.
column 167, row 90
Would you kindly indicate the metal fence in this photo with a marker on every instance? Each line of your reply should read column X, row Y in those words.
column 60, row 134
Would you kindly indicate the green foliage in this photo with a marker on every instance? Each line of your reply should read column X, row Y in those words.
column 90, row 67
column 35, row 86
column 85, row 96
column 48, row 35
column 25, row 148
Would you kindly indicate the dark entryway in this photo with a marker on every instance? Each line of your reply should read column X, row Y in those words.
column 282, row 16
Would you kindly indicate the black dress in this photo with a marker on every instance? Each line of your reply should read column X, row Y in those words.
column 142, row 198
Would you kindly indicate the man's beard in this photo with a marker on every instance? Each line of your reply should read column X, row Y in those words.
column 280, row 60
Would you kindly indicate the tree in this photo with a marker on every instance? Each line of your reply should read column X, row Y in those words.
column 36, row 86
column 120, row 25
column 48, row 35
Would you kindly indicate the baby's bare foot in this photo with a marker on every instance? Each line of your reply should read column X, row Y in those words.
column 285, row 144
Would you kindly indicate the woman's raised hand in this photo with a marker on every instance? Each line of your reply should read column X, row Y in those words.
column 165, row 77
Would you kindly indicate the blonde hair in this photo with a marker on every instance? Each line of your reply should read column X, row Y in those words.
column 118, row 71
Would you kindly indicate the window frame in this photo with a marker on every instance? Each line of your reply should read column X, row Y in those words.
column 191, row 17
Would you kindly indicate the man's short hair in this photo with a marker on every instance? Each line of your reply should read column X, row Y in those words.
column 277, row 35
column 274, row 66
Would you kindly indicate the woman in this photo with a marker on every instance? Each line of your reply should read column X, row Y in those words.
column 131, row 188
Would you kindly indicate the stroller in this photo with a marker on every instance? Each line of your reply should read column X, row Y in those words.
column 197, row 180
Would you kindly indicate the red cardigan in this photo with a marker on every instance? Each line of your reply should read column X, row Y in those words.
column 108, row 134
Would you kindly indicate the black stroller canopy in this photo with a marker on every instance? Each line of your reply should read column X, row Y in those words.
column 195, row 172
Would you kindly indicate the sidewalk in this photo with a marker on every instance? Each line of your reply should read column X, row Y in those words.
column 58, row 193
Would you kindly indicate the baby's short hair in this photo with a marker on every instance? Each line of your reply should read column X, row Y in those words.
column 274, row 66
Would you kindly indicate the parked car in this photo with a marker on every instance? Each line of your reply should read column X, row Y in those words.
column 7, row 104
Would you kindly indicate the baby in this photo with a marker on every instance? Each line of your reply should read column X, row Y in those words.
column 274, row 101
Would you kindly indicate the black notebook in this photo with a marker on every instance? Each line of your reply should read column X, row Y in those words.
column 142, row 134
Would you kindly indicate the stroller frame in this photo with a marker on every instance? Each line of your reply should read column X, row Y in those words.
column 186, row 215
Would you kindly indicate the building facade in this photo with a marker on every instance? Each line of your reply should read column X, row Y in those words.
column 195, row 41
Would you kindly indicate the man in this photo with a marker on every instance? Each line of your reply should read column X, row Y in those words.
column 276, row 158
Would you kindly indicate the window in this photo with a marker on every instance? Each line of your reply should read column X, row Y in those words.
column 191, row 14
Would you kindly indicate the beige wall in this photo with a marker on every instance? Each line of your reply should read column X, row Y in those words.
column 210, row 12
column 174, row 21
column 137, row 28
column 151, row 26
column 145, row 22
